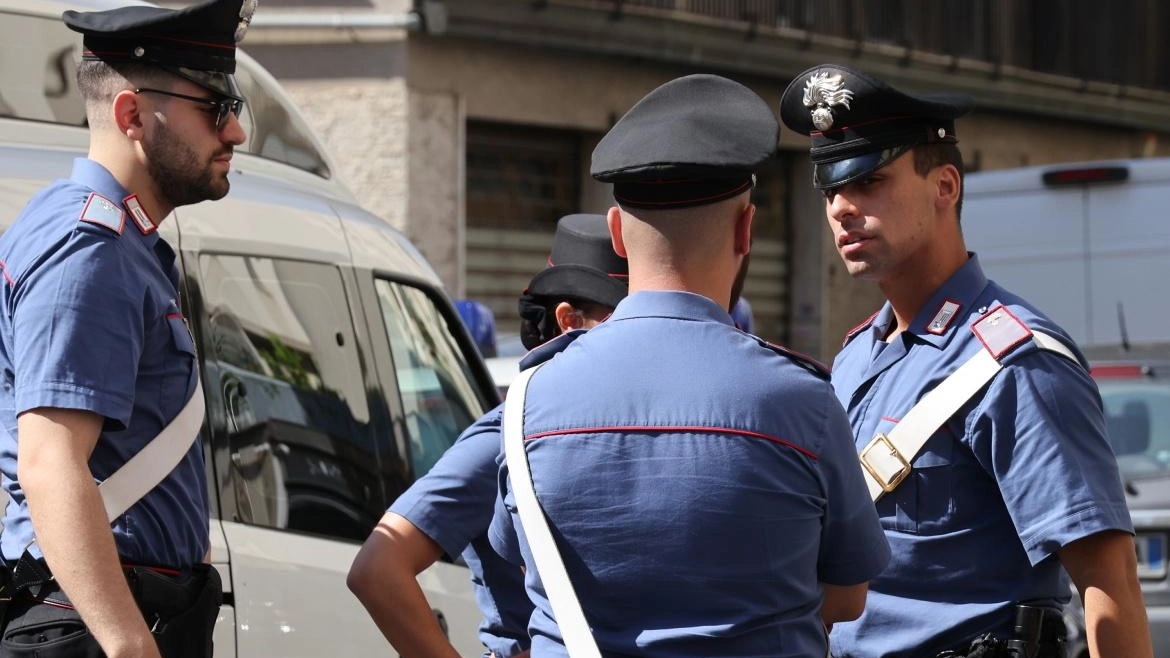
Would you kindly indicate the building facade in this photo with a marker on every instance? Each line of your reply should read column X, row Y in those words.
column 469, row 124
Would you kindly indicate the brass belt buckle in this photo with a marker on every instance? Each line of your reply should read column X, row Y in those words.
column 883, row 441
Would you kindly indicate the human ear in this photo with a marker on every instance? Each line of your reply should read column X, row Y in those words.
column 614, row 219
column 947, row 187
column 743, row 230
column 127, row 113
column 568, row 318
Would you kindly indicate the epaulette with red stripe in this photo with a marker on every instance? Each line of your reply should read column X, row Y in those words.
column 803, row 360
column 856, row 330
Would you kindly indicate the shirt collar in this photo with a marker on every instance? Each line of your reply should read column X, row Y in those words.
column 96, row 177
column 672, row 304
column 943, row 313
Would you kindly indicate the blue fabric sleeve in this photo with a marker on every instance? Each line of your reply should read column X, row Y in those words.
column 502, row 532
column 453, row 503
column 78, row 329
column 853, row 546
column 1040, row 431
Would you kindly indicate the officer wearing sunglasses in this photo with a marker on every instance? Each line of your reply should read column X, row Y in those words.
column 95, row 356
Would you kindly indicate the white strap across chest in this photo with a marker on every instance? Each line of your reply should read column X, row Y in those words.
column 156, row 460
column 886, row 459
column 561, row 596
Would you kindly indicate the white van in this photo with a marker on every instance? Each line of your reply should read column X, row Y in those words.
column 1088, row 243
column 336, row 369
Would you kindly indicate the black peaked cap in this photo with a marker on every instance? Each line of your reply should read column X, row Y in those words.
column 858, row 123
column 692, row 141
column 583, row 264
column 196, row 42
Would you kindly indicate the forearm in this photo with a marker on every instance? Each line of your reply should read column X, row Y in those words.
column 1115, row 622
column 1104, row 568
column 74, row 536
column 400, row 610
column 384, row 579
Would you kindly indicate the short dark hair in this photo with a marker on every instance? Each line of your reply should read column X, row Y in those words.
column 929, row 156
column 99, row 81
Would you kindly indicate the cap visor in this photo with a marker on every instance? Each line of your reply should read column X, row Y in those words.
column 843, row 172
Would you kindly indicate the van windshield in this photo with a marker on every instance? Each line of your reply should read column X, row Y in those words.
column 38, row 69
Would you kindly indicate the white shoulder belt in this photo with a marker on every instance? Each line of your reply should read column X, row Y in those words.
column 561, row 596
column 886, row 459
column 156, row 460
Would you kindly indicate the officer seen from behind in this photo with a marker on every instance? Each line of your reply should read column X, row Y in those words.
column 96, row 356
column 702, row 483
column 1003, row 479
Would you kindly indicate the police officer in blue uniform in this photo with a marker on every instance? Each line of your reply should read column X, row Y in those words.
column 448, row 510
column 1016, row 482
column 701, row 483
column 95, row 354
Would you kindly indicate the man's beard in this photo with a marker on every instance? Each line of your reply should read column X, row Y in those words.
column 737, row 285
column 178, row 174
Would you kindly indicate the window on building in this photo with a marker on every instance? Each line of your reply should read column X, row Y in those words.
column 280, row 350
column 521, row 177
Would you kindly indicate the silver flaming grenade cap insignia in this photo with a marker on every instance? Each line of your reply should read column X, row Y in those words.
column 822, row 92
column 246, row 10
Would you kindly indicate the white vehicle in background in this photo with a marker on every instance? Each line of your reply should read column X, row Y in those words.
column 335, row 368
column 1089, row 244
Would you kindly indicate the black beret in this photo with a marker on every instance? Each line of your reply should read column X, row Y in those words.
column 583, row 264
column 859, row 123
column 197, row 42
column 694, row 140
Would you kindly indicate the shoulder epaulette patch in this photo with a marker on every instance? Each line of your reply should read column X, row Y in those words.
column 854, row 331
column 803, row 360
column 103, row 212
column 1000, row 331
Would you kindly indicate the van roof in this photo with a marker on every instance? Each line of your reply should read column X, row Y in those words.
column 1031, row 178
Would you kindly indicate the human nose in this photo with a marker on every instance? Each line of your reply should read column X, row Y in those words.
column 232, row 132
column 838, row 206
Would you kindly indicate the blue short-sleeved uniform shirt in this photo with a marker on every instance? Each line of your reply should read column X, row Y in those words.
column 90, row 320
column 453, row 505
column 1021, row 470
column 699, row 484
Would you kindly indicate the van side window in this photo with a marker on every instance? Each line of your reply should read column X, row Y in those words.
column 280, row 350
column 273, row 131
column 435, row 383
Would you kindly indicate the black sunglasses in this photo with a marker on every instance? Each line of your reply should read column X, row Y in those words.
column 222, row 106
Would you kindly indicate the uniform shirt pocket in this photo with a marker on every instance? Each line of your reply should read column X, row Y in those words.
column 178, row 385
column 923, row 504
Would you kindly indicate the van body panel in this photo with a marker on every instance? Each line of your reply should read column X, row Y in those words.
column 283, row 580
column 1092, row 256
column 224, row 636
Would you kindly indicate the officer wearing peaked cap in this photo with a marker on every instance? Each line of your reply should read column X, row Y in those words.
column 701, row 483
column 448, row 510
column 985, row 494
column 95, row 353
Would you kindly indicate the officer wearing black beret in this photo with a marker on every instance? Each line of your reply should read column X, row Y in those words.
column 98, row 357
column 702, row 483
column 978, row 428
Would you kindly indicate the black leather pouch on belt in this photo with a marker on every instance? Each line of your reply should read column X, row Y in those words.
column 179, row 610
